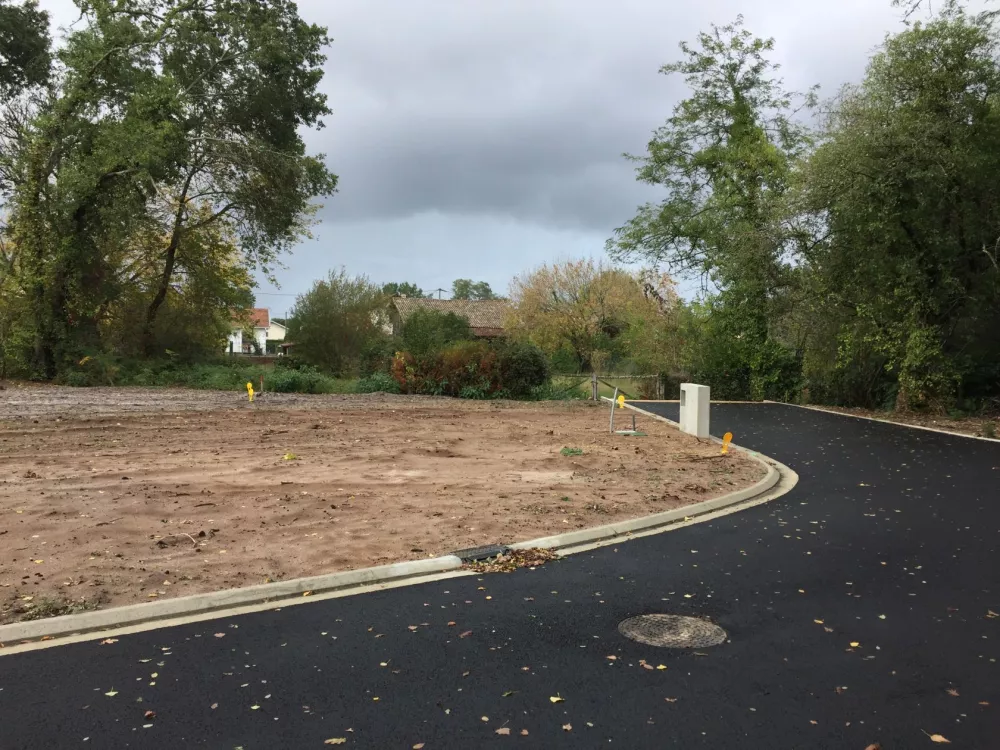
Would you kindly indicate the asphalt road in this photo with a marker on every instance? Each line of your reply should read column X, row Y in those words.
column 888, row 542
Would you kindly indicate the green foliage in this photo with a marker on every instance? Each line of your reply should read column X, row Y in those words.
column 165, row 120
column 427, row 330
column 908, row 183
column 337, row 322
column 474, row 370
column 402, row 289
column 229, row 374
column 467, row 369
column 378, row 382
column 523, row 367
column 725, row 159
column 572, row 451
column 469, row 289
column 25, row 56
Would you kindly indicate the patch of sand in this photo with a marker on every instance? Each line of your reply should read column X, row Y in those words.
column 179, row 492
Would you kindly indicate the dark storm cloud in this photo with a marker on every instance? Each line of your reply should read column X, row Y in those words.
column 523, row 109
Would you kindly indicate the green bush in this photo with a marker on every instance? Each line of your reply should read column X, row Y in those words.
column 523, row 367
column 379, row 382
column 427, row 331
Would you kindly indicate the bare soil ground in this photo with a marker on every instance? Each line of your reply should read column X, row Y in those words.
column 118, row 496
column 976, row 426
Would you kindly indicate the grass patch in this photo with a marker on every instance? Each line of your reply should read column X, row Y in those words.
column 230, row 374
column 572, row 451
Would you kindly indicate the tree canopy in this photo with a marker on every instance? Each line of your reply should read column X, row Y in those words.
column 337, row 321
column 166, row 118
column 590, row 311
column 25, row 54
column 402, row 289
column 469, row 289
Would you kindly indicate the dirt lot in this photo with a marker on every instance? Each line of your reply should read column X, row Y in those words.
column 119, row 496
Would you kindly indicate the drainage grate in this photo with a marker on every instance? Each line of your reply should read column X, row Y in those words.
column 474, row 554
column 672, row 631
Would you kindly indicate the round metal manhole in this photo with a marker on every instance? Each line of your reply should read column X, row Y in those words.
column 672, row 631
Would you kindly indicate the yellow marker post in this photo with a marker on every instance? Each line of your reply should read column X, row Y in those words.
column 250, row 391
column 621, row 402
column 726, row 439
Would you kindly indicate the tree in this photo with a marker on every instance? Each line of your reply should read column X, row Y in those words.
column 593, row 311
column 337, row 321
column 469, row 289
column 725, row 159
column 25, row 58
column 427, row 330
column 163, row 107
column 402, row 289
column 907, row 183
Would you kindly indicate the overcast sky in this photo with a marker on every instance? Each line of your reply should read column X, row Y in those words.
column 480, row 138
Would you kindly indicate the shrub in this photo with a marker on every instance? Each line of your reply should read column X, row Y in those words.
column 427, row 331
column 379, row 382
column 523, row 367
column 469, row 366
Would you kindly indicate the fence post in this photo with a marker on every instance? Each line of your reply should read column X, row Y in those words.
column 594, row 389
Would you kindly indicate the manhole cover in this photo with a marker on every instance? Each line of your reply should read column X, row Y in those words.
column 672, row 631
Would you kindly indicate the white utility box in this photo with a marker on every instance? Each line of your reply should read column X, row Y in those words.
column 694, row 409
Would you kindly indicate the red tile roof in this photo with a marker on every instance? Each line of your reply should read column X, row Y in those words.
column 259, row 316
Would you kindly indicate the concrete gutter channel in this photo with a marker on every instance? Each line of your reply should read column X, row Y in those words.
column 283, row 593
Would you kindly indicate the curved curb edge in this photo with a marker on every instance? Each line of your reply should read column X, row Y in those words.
column 20, row 636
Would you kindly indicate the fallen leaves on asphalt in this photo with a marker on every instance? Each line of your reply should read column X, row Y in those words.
column 509, row 561
column 338, row 741
column 149, row 715
column 419, row 746
column 466, row 634
column 952, row 692
column 568, row 727
column 111, row 693
column 938, row 738
column 503, row 731
column 109, row 641
column 557, row 699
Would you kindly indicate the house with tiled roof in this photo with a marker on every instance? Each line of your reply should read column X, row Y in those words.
column 487, row 318
column 240, row 341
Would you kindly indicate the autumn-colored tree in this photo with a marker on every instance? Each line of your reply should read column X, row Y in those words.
column 597, row 313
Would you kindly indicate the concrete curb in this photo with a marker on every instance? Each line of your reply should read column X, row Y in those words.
column 136, row 614
column 887, row 421
column 404, row 573
column 646, row 523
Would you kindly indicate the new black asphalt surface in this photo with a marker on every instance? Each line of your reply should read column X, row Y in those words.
column 854, row 604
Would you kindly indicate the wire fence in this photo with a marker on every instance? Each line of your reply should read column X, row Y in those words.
column 597, row 385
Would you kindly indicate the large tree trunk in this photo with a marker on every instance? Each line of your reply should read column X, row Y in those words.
column 169, row 261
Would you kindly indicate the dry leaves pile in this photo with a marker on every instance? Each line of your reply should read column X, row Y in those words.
column 512, row 560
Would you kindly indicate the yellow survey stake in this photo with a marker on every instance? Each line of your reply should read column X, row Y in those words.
column 726, row 439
